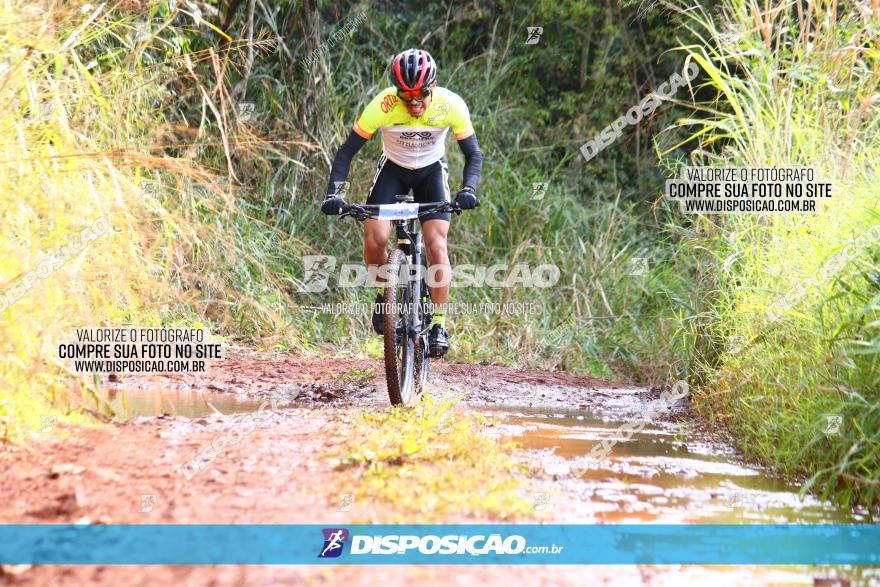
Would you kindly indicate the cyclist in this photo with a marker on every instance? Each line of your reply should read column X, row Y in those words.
column 414, row 116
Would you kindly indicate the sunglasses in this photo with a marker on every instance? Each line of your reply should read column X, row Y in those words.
column 414, row 95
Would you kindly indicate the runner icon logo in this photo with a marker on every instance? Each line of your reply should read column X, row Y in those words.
column 334, row 541
column 535, row 33
column 538, row 189
column 317, row 272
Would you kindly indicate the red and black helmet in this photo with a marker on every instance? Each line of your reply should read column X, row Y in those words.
column 414, row 69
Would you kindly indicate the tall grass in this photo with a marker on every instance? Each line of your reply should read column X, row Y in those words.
column 91, row 130
column 789, row 335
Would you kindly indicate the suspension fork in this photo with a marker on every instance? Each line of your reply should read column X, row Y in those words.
column 420, row 287
column 411, row 241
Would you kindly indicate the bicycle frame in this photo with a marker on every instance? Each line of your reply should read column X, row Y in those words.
column 407, row 311
column 410, row 241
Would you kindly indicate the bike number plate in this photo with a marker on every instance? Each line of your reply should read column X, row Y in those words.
column 402, row 211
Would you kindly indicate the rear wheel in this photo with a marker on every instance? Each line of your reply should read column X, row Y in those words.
column 401, row 339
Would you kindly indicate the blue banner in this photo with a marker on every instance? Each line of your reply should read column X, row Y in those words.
column 568, row 544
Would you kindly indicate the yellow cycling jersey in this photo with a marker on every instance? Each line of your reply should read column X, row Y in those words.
column 415, row 142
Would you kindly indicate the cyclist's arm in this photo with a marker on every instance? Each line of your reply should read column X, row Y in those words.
column 342, row 161
column 460, row 121
column 369, row 122
column 473, row 161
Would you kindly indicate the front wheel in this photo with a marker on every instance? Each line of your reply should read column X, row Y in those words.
column 423, row 318
column 402, row 345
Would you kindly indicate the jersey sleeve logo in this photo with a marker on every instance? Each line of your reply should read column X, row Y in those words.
column 438, row 115
column 388, row 103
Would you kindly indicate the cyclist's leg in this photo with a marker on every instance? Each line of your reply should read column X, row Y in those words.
column 387, row 183
column 434, row 187
column 390, row 180
column 435, row 234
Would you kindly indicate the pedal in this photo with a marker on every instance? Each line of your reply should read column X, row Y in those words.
column 437, row 353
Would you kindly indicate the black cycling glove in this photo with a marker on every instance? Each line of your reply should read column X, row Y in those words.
column 466, row 198
column 332, row 205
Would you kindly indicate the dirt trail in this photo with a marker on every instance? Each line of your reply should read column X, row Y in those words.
column 361, row 381
column 275, row 475
column 128, row 473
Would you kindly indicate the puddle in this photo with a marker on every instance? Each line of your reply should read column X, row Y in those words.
column 129, row 404
column 662, row 474
column 667, row 474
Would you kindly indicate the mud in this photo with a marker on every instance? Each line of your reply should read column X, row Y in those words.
column 672, row 471
column 348, row 381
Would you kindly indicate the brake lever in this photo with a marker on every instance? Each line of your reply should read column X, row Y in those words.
column 351, row 210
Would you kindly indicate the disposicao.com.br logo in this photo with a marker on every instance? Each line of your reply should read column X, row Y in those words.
column 394, row 544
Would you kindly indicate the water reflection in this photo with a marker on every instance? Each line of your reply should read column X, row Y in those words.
column 126, row 405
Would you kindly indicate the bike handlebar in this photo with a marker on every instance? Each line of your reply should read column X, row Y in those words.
column 363, row 211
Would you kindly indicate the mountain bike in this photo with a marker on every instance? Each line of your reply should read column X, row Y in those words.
column 407, row 300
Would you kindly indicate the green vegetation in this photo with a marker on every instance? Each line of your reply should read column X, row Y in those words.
column 787, row 335
column 433, row 461
column 533, row 106
column 180, row 247
column 356, row 375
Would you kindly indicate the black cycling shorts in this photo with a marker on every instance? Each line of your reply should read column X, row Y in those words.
column 429, row 184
